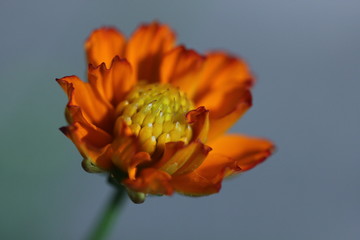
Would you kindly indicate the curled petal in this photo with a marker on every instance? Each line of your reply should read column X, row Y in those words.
column 95, row 136
column 125, row 146
column 180, row 67
column 139, row 158
column 103, row 45
column 244, row 152
column 200, row 181
column 179, row 159
column 92, row 143
column 199, row 119
column 113, row 83
column 195, row 153
column 171, row 148
column 151, row 181
column 146, row 48
column 126, row 150
column 93, row 108
column 231, row 154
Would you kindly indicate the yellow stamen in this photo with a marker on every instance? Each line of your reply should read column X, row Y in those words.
column 156, row 114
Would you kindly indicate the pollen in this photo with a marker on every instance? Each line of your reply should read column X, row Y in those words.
column 156, row 114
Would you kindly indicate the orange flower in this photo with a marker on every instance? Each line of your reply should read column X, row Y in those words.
column 154, row 114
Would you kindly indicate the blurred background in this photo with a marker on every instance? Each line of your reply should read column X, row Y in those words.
column 306, row 56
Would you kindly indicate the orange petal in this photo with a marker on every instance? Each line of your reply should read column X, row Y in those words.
column 244, row 152
column 231, row 154
column 126, row 150
column 199, row 119
column 146, row 48
column 195, row 185
column 114, row 83
column 151, row 181
column 92, row 143
column 91, row 134
column 197, row 153
column 204, row 180
column 199, row 182
column 225, row 82
column 170, row 149
column 221, row 123
column 99, row 137
column 219, row 70
column 125, row 146
column 93, row 108
column 139, row 158
column 224, row 100
column 184, row 158
column 181, row 67
column 103, row 45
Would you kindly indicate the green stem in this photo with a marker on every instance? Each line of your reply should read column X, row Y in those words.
column 108, row 217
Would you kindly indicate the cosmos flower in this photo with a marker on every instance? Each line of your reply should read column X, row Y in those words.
column 154, row 114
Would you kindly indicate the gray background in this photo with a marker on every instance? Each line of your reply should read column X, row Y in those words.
column 306, row 56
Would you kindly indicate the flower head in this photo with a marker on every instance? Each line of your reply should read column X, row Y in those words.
column 153, row 114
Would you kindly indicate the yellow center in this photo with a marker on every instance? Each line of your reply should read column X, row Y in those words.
column 156, row 114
